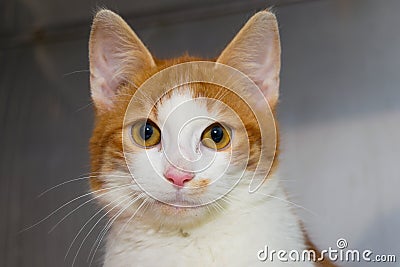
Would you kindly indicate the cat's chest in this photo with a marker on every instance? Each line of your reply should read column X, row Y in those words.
column 232, row 239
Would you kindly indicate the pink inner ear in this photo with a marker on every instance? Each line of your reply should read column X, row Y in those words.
column 104, row 83
column 106, row 68
column 270, row 85
column 265, row 71
column 256, row 52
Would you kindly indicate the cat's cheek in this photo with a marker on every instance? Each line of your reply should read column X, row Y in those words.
column 146, row 168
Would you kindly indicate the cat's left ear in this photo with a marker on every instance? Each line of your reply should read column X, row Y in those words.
column 116, row 54
column 256, row 52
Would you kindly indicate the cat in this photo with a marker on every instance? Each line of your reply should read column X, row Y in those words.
column 148, row 143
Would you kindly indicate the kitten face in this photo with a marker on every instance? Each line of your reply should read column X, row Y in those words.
column 181, row 173
column 173, row 157
column 182, row 117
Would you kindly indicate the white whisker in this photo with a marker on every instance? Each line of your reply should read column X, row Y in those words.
column 81, row 205
column 108, row 226
column 288, row 202
column 74, row 72
column 91, row 218
column 78, row 179
column 131, row 218
column 126, row 197
column 67, row 203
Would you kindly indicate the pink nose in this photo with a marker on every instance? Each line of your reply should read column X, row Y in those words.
column 178, row 177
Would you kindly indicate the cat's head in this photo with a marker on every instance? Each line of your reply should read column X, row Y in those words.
column 174, row 138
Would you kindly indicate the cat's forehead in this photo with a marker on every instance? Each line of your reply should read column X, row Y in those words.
column 181, row 107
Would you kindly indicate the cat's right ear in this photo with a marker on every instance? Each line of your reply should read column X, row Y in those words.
column 256, row 52
column 115, row 55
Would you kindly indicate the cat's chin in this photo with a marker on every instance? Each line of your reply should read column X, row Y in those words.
column 179, row 214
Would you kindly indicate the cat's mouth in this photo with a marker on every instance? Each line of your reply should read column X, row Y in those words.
column 179, row 201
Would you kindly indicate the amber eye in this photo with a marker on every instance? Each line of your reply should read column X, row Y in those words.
column 215, row 136
column 146, row 133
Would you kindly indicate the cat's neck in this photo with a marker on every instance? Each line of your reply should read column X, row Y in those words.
column 265, row 216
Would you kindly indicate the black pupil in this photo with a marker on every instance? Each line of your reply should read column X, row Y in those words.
column 146, row 131
column 217, row 134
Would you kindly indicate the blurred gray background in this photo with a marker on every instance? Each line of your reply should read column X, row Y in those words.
column 339, row 114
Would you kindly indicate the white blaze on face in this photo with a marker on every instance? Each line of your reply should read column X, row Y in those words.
column 182, row 120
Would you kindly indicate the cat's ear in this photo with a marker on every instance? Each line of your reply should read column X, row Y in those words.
column 115, row 55
column 256, row 52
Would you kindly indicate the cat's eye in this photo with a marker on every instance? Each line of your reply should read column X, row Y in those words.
column 146, row 133
column 215, row 136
